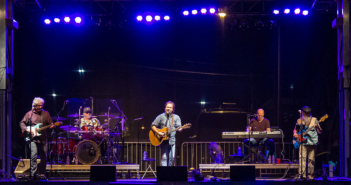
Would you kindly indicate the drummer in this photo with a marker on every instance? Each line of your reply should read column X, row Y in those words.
column 88, row 119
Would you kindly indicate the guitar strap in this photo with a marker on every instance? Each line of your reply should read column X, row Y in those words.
column 172, row 121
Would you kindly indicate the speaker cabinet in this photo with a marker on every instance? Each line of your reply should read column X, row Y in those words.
column 242, row 173
column 172, row 173
column 103, row 173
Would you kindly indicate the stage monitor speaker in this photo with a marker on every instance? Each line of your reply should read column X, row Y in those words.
column 242, row 173
column 172, row 173
column 23, row 167
column 103, row 173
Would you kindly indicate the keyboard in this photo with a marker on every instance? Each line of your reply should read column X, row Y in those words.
column 254, row 134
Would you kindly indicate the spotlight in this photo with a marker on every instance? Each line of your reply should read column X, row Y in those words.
column 276, row 12
column 203, row 103
column 186, row 13
column 287, row 11
column 194, row 12
column 157, row 18
column 222, row 14
column 57, row 20
column 244, row 24
column 166, row 18
column 305, row 12
column 139, row 18
column 67, row 19
column 47, row 21
column 203, row 11
column 54, row 95
column 78, row 20
column 259, row 24
column 81, row 70
column 212, row 10
column 297, row 11
column 148, row 18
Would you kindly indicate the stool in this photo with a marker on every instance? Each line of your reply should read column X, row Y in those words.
column 148, row 161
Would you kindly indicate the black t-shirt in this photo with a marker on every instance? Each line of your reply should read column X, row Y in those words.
column 259, row 126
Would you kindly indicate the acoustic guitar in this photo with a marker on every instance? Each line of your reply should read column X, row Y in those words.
column 156, row 139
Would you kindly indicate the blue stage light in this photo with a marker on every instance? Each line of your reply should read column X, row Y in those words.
column 78, row 20
column 186, row 13
column 149, row 18
column 167, row 18
column 47, row 21
column 139, row 18
column 67, row 19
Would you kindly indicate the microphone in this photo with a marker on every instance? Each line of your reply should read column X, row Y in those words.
column 192, row 137
column 299, row 111
column 254, row 115
column 138, row 118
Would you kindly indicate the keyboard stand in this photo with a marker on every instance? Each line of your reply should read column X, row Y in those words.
column 257, row 154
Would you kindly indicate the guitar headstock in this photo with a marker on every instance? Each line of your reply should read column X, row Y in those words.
column 58, row 124
column 324, row 118
column 188, row 125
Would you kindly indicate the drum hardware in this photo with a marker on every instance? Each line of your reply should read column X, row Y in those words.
column 59, row 118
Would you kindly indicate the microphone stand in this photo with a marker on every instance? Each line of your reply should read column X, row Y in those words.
column 300, row 160
column 30, row 144
column 114, row 102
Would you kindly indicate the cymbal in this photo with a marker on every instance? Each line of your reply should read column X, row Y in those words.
column 118, row 117
column 74, row 115
column 68, row 127
column 59, row 118
column 105, row 115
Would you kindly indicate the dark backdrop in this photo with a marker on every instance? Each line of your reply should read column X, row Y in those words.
column 186, row 60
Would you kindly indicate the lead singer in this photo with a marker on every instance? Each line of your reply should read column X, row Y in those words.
column 170, row 120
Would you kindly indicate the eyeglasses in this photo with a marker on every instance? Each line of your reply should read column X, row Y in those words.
column 87, row 112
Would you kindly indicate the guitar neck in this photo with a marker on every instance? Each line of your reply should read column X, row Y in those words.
column 43, row 128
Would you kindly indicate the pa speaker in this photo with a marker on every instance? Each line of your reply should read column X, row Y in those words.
column 242, row 173
column 172, row 173
column 103, row 173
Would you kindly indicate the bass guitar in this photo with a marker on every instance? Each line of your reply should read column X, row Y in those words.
column 38, row 128
column 156, row 139
column 297, row 141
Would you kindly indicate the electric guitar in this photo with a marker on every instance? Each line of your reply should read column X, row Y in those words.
column 156, row 139
column 300, row 139
column 36, row 130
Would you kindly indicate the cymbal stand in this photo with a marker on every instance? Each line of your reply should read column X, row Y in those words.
column 124, row 119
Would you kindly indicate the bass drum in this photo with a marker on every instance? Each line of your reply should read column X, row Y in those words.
column 87, row 152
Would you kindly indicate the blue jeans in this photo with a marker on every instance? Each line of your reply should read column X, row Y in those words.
column 38, row 148
column 269, row 143
column 167, row 151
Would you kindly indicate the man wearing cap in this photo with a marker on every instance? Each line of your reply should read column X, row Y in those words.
column 88, row 119
column 308, row 148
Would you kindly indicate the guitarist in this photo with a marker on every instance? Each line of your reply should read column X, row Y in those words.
column 308, row 148
column 170, row 120
column 38, row 144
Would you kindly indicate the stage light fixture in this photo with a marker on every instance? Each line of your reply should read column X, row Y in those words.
column 186, row 13
column 305, row 12
column 203, row 103
column 276, row 12
column 67, row 19
column 157, row 18
column 222, row 14
column 297, row 11
column 148, row 18
column 194, row 12
column 244, row 24
column 272, row 24
column 203, row 11
column 259, row 24
column 287, row 11
column 139, row 18
column 47, row 21
column 78, row 20
column 167, row 18
column 57, row 20
column 54, row 95
column 212, row 10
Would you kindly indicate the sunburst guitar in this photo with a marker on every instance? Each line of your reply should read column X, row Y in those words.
column 156, row 139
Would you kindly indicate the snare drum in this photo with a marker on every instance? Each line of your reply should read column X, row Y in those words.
column 89, row 135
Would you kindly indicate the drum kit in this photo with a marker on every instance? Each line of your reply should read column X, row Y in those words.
column 88, row 144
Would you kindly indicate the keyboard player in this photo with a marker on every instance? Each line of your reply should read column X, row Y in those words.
column 260, row 123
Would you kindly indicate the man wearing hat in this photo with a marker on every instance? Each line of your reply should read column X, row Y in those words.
column 88, row 119
column 308, row 148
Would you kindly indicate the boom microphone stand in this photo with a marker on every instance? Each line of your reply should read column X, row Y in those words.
column 29, row 123
column 114, row 102
column 300, row 160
